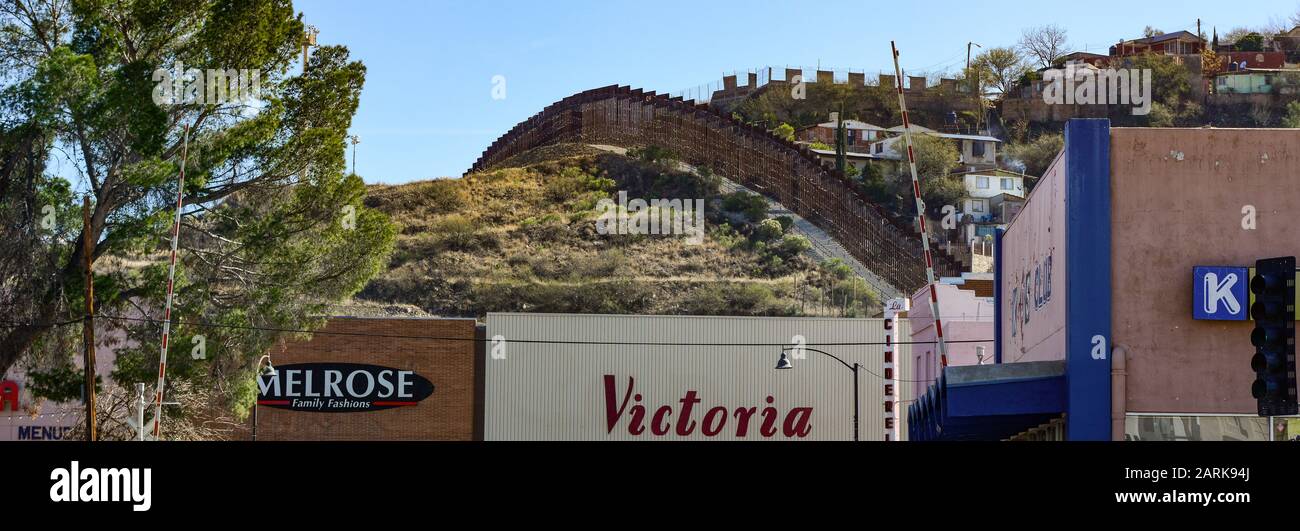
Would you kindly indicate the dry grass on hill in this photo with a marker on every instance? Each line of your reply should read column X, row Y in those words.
column 525, row 239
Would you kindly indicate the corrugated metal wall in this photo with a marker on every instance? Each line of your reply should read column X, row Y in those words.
column 550, row 391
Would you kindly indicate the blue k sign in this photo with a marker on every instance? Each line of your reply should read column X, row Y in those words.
column 1220, row 293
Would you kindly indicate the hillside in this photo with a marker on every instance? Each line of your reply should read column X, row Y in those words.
column 524, row 237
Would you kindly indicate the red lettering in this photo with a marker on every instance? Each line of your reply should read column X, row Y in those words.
column 889, row 423
column 768, row 428
column 707, row 427
column 889, row 373
column 8, row 395
column 797, row 422
column 637, row 425
column 742, row 420
column 889, row 406
column 684, row 423
column 660, row 425
column 889, row 389
column 613, row 412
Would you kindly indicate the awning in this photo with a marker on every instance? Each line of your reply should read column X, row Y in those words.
column 988, row 402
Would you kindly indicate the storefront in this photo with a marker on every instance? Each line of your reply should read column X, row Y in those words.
column 651, row 378
column 1098, row 273
column 375, row 379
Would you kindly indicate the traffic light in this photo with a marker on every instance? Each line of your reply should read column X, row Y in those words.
column 1274, row 336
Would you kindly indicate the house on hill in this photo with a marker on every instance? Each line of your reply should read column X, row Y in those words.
column 1176, row 43
column 976, row 151
column 857, row 134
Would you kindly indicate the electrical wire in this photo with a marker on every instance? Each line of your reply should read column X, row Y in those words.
column 540, row 341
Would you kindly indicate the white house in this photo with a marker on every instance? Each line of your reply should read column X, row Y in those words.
column 974, row 150
column 993, row 197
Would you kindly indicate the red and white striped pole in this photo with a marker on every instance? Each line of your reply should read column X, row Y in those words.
column 920, row 212
column 171, row 278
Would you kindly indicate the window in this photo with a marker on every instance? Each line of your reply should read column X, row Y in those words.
column 1195, row 428
column 1006, row 184
column 977, row 149
column 977, row 205
column 982, row 183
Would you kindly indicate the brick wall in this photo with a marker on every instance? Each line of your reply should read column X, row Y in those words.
column 452, row 413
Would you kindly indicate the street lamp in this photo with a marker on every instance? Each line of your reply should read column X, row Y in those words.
column 784, row 363
column 268, row 370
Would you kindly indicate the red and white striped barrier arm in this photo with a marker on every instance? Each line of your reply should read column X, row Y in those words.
column 920, row 212
column 171, row 278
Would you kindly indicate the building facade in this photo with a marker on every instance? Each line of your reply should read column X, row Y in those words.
column 1097, row 326
column 391, row 379
column 660, row 378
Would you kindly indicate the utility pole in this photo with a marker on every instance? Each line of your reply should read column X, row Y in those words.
column 355, row 140
column 88, row 327
column 839, row 140
column 975, row 89
column 310, row 40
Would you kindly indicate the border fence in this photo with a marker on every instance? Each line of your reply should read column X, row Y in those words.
column 775, row 167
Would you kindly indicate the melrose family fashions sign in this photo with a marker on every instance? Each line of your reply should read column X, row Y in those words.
column 341, row 387
column 374, row 379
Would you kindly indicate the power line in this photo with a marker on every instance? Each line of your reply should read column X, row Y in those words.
column 540, row 341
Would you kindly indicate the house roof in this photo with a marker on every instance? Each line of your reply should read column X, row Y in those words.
column 1258, row 71
column 999, row 172
column 1090, row 55
column 914, row 128
column 1005, row 198
column 853, row 124
column 969, row 137
column 1177, row 35
column 847, row 154
column 932, row 132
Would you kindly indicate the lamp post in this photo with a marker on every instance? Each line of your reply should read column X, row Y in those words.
column 784, row 363
column 269, row 370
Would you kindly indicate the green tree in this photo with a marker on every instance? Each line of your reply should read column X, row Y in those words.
column 935, row 156
column 1169, row 80
column 1251, row 42
column 785, row 131
column 1292, row 117
column 1003, row 67
column 273, row 229
column 1037, row 155
column 935, row 159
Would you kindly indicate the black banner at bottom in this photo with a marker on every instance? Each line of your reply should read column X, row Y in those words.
column 302, row 482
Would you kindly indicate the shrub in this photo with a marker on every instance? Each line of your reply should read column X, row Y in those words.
column 785, row 131
column 785, row 221
column 768, row 229
column 457, row 232
column 445, row 196
column 753, row 206
column 793, row 244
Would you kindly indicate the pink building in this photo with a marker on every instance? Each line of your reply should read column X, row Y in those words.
column 966, row 307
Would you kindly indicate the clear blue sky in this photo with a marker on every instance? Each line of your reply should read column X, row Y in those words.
column 427, row 110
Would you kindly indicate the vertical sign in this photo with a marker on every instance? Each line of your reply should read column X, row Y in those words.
column 1088, row 279
column 892, row 309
